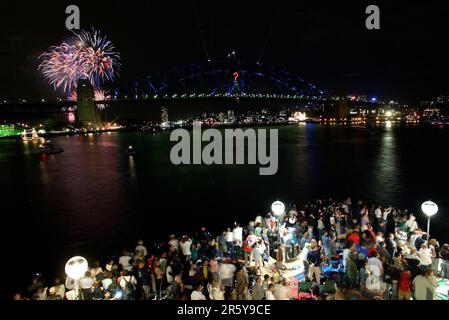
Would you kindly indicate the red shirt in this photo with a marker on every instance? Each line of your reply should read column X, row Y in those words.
column 354, row 238
column 405, row 281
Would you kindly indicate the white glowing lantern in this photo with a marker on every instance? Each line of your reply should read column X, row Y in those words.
column 429, row 208
column 76, row 267
column 278, row 208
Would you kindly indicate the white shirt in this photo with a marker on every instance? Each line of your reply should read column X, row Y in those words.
column 86, row 283
column 226, row 270
column 197, row 295
column 378, row 213
column 425, row 257
column 375, row 262
column 320, row 225
column 386, row 213
column 229, row 236
column 217, row 294
column 124, row 261
column 142, row 249
column 238, row 234
column 269, row 295
column 423, row 285
column 125, row 279
column 411, row 224
column 303, row 254
column 185, row 247
column 167, row 274
column 106, row 283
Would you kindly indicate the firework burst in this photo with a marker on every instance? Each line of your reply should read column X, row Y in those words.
column 84, row 55
column 99, row 95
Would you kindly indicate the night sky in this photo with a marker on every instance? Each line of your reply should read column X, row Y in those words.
column 325, row 42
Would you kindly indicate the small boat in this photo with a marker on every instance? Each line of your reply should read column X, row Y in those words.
column 30, row 135
column 47, row 148
column 131, row 151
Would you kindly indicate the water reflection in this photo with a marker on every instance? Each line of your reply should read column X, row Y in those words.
column 386, row 171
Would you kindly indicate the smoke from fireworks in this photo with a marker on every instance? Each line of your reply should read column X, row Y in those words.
column 84, row 55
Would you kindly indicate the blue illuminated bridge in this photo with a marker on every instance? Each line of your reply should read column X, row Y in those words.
column 225, row 80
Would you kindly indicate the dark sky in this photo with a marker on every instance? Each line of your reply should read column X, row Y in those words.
column 326, row 42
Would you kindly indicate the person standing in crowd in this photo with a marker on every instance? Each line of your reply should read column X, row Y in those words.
column 141, row 248
column 242, row 283
column 176, row 290
column 405, row 285
column 143, row 280
column 425, row 257
column 314, row 260
column 424, row 286
column 229, row 236
column 186, row 244
column 214, row 271
column 258, row 291
column 444, row 253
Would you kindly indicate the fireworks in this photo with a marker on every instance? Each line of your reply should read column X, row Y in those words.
column 99, row 95
column 84, row 55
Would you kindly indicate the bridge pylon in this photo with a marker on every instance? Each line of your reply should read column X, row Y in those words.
column 87, row 113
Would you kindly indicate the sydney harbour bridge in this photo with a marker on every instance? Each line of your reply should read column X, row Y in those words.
column 206, row 82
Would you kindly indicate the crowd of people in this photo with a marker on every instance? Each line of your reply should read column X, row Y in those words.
column 363, row 251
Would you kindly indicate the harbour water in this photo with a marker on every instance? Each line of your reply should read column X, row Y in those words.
column 93, row 199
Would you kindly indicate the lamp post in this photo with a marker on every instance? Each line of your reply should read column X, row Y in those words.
column 430, row 209
column 75, row 269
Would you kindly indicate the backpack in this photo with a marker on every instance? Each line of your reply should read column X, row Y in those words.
column 129, row 287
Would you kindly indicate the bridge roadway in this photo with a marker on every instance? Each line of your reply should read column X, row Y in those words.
column 63, row 106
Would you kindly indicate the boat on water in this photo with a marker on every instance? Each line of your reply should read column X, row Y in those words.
column 47, row 148
column 131, row 151
column 30, row 135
